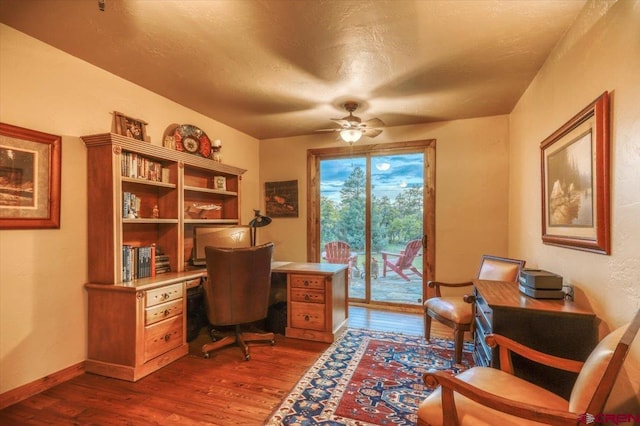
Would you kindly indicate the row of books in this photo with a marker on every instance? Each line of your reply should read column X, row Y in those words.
column 130, row 205
column 142, row 262
column 134, row 165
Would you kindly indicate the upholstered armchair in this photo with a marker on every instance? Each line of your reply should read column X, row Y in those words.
column 454, row 311
column 489, row 396
column 236, row 293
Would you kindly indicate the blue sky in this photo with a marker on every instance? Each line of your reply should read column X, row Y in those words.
column 404, row 171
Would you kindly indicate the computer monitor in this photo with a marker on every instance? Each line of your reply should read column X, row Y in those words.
column 217, row 236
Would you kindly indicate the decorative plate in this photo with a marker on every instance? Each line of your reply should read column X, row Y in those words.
column 192, row 139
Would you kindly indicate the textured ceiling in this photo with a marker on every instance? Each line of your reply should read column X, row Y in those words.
column 277, row 68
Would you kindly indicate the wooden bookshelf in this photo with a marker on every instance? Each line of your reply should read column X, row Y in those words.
column 137, row 326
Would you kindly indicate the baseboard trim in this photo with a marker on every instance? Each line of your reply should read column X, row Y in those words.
column 40, row 385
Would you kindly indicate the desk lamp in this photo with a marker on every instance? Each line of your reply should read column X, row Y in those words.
column 257, row 222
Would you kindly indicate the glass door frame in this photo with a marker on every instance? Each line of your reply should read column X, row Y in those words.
column 428, row 147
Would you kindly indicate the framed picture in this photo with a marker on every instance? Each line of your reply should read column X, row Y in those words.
column 220, row 182
column 281, row 198
column 130, row 127
column 29, row 178
column 575, row 181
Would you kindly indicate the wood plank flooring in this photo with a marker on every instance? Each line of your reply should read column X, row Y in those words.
column 223, row 390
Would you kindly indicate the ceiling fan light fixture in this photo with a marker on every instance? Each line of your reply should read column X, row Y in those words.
column 350, row 135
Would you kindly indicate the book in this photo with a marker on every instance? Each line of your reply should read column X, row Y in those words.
column 126, row 263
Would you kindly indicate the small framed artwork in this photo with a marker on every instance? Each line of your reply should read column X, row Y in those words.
column 575, row 181
column 130, row 127
column 29, row 178
column 220, row 182
column 281, row 198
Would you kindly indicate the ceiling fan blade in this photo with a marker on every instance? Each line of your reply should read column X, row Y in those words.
column 342, row 122
column 372, row 133
column 328, row 130
column 373, row 123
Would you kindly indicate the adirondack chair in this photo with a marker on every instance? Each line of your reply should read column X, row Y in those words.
column 340, row 252
column 399, row 262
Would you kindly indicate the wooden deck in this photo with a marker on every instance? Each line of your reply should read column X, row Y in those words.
column 222, row 390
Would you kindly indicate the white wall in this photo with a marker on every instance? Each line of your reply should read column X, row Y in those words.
column 600, row 52
column 43, row 318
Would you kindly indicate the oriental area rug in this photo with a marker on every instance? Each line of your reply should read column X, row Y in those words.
column 368, row 378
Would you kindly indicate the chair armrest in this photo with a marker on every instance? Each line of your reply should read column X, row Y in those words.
column 506, row 346
column 388, row 253
column 451, row 384
column 438, row 284
column 435, row 284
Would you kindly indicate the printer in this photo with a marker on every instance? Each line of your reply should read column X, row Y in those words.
column 540, row 284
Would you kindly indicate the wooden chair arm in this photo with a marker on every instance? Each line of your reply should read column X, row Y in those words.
column 436, row 284
column 506, row 346
column 388, row 253
column 451, row 384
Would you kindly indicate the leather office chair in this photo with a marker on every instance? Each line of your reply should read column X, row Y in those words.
column 454, row 311
column 490, row 396
column 236, row 293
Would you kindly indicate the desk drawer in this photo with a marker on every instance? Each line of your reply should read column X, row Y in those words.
column 163, row 294
column 162, row 337
column 306, row 295
column 308, row 315
column 308, row 281
column 484, row 315
column 162, row 311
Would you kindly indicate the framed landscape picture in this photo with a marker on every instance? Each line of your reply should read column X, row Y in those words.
column 281, row 198
column 29, row 178
column 575, row 181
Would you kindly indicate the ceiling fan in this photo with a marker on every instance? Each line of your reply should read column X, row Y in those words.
column 352, row 128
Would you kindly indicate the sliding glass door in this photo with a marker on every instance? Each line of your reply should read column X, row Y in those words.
column 397, row 187
column 371, row 216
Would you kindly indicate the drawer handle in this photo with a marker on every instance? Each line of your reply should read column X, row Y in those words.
column 306, row 318
column 166, row 312
column 165, row 296
column 306, row 297
column 167, row 337
column 306, row 282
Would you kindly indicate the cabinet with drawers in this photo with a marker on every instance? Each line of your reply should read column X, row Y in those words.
column 317, row 301
column 136, row 329
column 556, row 327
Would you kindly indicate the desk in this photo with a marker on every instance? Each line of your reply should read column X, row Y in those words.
column 556, row 327
column 316, row 299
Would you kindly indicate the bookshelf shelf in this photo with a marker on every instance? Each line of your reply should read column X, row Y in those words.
column 151, row 221
column 211, row 221
column 141, row 181
column 211, row 191
column 143, row 203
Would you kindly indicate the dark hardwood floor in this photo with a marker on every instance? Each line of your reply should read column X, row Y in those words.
column 222, row 390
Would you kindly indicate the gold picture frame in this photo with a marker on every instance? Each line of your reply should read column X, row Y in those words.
column 576, row 182
column 30, row 176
